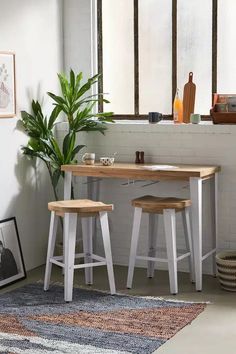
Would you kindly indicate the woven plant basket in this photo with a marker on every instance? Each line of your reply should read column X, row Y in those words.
column 226, row 265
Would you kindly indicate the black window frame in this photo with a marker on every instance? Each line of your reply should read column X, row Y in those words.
column 136, row 115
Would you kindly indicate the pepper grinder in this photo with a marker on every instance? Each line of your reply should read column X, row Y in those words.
column 141, row 156
column 137, row 159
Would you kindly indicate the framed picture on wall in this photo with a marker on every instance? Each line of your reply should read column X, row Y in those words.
column 12, row 266
column 7, row 85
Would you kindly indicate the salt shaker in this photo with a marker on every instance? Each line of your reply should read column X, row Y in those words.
column 137, row 159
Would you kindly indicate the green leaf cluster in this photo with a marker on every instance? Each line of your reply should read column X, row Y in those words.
column 78, row 105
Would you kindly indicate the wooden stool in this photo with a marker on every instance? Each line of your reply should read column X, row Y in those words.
column 168, row 207
column 86, row 209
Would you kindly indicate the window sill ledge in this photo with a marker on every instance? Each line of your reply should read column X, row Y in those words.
column 162, row 122
column 163, row 127
column 169, row 127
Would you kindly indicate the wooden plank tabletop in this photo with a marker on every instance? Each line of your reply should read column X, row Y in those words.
column 142, row 171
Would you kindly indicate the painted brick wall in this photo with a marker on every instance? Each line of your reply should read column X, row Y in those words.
column 166, row 143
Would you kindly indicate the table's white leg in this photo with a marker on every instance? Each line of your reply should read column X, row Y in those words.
column 152, row 243
column 67, row 185
column 188, row 241
column 214, row 208
column 196, row 198
column 93, row 193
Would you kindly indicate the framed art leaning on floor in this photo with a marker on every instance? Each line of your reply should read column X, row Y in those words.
column 7, row 85
column 12, row 266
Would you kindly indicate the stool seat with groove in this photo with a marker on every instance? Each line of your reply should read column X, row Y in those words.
column 168, row 206
column 69, row 210
column 79, row 206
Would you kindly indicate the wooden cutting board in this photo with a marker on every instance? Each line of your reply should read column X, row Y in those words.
column 189, row 98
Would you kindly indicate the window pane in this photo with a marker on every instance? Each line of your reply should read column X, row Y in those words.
column 155, row 58
column 194, row 46
column 226, row 46
column 118, row 55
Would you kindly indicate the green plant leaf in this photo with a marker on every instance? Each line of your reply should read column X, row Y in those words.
column 55, row 177
column 57, row 99
column 53, row 117
column 70, row 148
column 78, row 80
column 66, row 143
column 72, row 80
column 76, row 150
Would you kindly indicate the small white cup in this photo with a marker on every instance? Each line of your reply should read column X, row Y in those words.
column 107, row 161
column 88, row 158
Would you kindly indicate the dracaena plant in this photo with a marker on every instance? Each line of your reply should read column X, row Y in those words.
column 78, row 105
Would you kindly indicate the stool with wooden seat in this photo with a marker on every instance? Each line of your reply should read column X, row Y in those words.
column 86, row 209
column 168, row 207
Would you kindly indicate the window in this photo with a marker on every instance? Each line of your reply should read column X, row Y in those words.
column 146, row 49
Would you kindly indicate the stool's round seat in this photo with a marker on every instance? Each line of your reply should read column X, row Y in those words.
column 79, row 206
column 151, row 204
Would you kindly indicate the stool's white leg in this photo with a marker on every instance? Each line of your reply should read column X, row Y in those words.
column 67, row 196
column 51, row 246
column 214, row 208
column 170, row 234
column 196, row 211
column 107, row 248
column 188, row 240
column 134, row 244
column 70, row 224
column 87, row 232
column 152, row 242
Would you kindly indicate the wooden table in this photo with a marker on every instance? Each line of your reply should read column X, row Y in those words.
column 195, row 174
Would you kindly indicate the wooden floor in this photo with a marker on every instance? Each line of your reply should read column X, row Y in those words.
column 212, row 332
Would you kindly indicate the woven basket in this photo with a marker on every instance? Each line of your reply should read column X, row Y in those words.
column 226, row 265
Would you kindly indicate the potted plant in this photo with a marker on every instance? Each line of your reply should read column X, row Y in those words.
column 77, row 105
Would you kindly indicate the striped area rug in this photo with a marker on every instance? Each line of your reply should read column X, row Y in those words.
column 33, row 321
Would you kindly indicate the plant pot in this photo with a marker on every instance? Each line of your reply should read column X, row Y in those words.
column 226, row 266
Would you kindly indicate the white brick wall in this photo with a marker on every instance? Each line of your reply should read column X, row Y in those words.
column 167, row 143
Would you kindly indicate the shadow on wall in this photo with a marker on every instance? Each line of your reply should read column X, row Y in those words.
column 29, row 207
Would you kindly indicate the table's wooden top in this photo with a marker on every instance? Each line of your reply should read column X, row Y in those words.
column 140, row 171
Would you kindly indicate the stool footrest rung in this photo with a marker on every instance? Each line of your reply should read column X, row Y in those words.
column 98, row 258
column 101, row 261
column 89, row 265
column 208, row 254
column 164, row 260
column 54, row 261
column 81, row 255
column 155, row 259
column 182, row 256
column 60, row 258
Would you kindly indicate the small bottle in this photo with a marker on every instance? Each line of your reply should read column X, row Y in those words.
column 178, row 108
column 137, row 158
